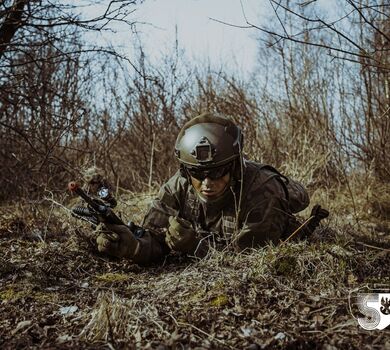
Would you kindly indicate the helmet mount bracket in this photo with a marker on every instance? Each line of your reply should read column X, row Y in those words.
column 203, row 151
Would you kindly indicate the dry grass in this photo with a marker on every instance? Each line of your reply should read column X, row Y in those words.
column 293, row 296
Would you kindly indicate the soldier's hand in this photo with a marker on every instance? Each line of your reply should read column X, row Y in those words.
column 181, row 236
column 318, row 214
column 118, row 241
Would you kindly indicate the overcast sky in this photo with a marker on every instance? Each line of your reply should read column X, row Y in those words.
column 202, row 38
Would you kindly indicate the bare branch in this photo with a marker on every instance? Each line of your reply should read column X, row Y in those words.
column 318, row 20
column 367, row 21
column 284, row 37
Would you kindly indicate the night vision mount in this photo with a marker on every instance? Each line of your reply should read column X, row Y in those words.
column 204, row 151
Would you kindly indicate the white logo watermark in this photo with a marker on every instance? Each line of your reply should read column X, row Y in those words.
column 376, row 310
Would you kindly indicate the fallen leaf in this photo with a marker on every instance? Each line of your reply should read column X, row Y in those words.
column 64, row 338
column 68, row 310
column 318, row 319
column 246, row 332
column 280, row 336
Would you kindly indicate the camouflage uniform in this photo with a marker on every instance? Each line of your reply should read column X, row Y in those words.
column 256, row 207
column 267, row 203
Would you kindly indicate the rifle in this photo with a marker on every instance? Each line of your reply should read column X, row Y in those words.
column 100, row 210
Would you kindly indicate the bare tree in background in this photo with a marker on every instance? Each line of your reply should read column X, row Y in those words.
column 346, row 34
column 47, row 70
column 357, row 41
column 26, row 26
column 22, row 20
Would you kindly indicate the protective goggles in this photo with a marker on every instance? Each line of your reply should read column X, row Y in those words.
column 211, row 173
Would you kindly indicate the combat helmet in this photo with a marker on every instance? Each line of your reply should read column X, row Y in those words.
column 208, row 141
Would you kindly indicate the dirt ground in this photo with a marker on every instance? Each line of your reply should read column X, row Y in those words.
column 57, row 291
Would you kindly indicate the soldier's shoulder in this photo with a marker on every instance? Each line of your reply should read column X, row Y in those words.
column 259, row 176
column 260, row 172
column 176, row 183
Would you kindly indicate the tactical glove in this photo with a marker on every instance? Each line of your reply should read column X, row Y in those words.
column 118, row 241
column 318, row 214
column 181, row 236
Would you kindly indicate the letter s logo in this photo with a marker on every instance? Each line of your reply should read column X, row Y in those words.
column 372, row 319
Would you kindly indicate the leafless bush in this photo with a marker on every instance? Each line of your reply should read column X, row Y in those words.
column 315, row 118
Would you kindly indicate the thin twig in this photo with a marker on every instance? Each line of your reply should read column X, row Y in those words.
column 373, row 247
column 298, row 229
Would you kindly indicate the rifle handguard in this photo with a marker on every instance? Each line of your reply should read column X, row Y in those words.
column 86, row 215
column 82, row 211
column 98, row 210
column 101, row 209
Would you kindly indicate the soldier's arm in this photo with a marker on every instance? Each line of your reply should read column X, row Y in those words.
column 298, row 196
column 148, row 245
column 152, row 245
column 266, row 219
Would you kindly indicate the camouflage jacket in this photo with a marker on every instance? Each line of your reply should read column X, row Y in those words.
column 251, row 212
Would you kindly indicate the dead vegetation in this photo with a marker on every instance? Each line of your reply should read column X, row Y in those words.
column 317, row 111
column 56, row 291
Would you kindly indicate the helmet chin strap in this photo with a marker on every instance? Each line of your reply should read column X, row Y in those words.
column 183, row 172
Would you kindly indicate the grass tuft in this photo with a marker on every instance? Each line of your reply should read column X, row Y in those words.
column 294, row 295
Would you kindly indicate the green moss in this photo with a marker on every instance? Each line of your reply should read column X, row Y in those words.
column 11, row 295
column 286, row 265
column 342, row 264
column 113, row 277
column 44, row 297
column 219, row 300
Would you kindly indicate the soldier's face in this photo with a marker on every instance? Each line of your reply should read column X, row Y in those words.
column 211, row 188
